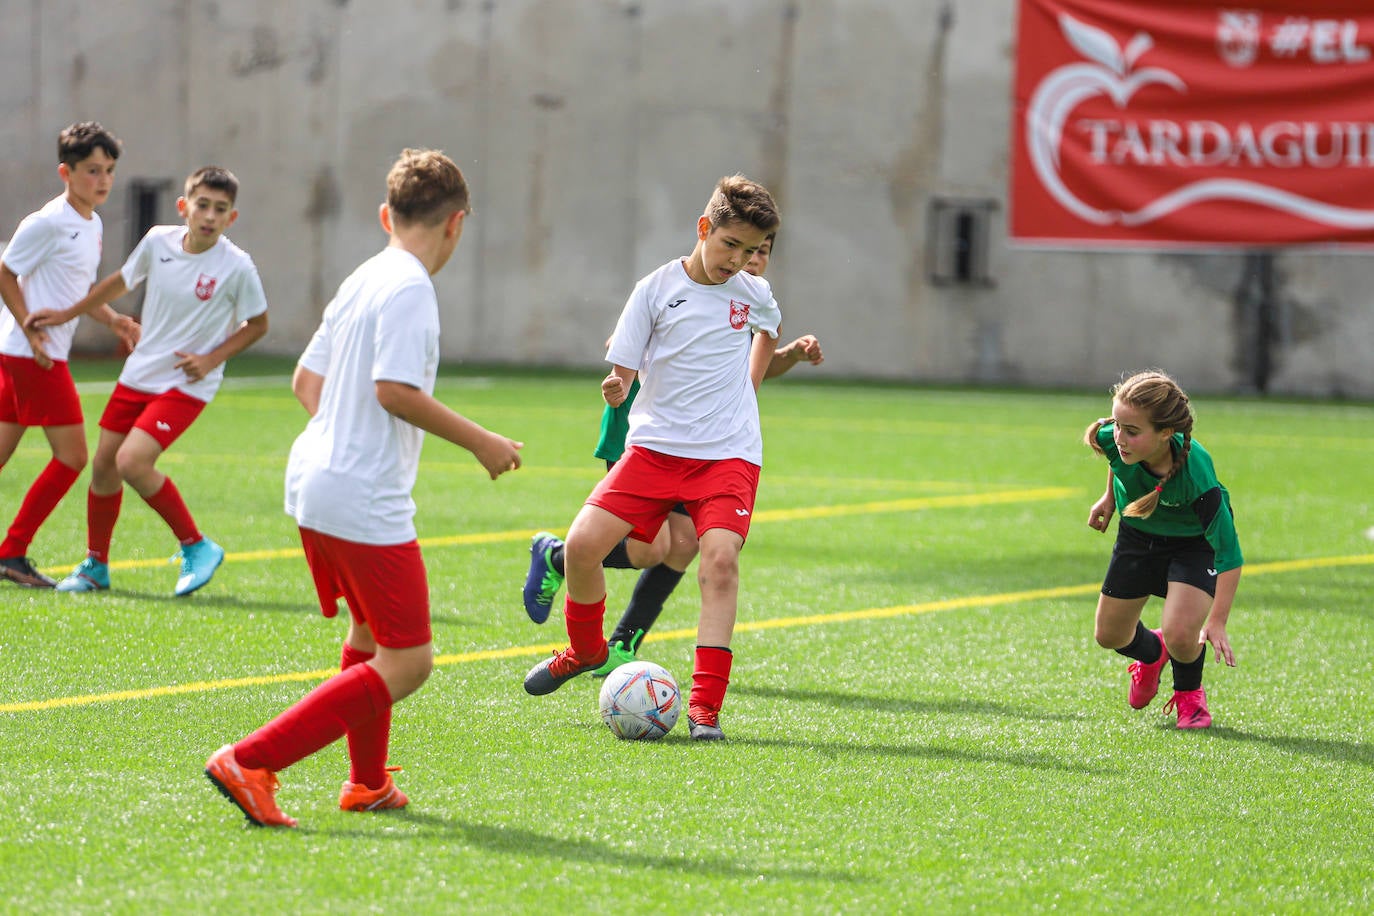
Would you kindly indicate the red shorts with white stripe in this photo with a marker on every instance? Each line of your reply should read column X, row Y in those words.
column 644, row 486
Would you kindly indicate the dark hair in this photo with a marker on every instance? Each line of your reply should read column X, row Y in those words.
column 424, row 186
column 214, row 178
column 1166, row 405
column 737, row 199
column 79, row 140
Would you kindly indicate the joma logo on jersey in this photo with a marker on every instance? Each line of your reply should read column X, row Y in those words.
column 205, row 288
column 739, row 314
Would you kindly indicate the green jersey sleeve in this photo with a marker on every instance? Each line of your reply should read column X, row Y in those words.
column 615, row 426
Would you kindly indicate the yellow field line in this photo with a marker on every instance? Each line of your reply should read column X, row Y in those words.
column 948, row 604
column 915, row 504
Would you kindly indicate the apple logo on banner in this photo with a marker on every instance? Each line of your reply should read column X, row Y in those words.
column 1113, row 73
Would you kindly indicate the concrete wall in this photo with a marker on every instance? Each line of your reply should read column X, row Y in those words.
column 592, row 133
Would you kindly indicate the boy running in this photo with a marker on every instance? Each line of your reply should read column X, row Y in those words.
column 367, row 380
column 204, row 305
column 52, row 260
column 688, row 334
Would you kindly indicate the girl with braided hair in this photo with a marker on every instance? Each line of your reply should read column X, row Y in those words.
column 1176, row 539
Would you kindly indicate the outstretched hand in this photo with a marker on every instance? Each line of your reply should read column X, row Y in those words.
column 1216, row 635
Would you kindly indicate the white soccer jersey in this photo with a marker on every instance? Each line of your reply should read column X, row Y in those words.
column 56, row 253
column 690, row 344
column 351, row 471
column 193, row 303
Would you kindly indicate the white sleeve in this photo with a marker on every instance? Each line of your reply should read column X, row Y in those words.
column 632, row 331
column 317, row 352
column 407, row 331
column 250, row 301
column 135, row 269
column 34, row 241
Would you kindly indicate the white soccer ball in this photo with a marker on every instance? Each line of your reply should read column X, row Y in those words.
column 640, row 701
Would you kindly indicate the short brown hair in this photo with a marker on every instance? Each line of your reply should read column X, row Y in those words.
column 215, row 178
column 737, row 199
column 79, row 140
column 424, row 186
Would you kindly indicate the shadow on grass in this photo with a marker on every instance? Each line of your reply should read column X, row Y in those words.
column 201, row 599
column 1338, row 751
column 904, row 706
column 927, row 752
column 515, row 841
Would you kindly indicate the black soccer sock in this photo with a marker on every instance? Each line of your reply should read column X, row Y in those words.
column 556, row 559
column 651, row 591
column 619, row 557
column 1188, row 675
column 1144, row 647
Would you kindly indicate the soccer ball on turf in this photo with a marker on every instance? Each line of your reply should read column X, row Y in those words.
column 640, row 701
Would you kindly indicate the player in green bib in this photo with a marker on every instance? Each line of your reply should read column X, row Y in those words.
column 1176, row 539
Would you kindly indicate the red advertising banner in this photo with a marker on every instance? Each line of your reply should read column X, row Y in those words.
column 1183, row 123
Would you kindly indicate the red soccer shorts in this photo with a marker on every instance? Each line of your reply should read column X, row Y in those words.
column 385, row 586
column 644, row 486
column 163, row 416
column 30, row 396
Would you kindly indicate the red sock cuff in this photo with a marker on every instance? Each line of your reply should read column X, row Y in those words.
column 585, row 623
column 351, row 656
column 711, row 677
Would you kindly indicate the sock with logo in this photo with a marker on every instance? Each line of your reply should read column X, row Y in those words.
column 367, row 743
column 101, row 514
column 167, row 502
column 1144, row 646
column 47, row 491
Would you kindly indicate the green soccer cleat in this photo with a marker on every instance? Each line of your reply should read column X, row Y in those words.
column 620, row 654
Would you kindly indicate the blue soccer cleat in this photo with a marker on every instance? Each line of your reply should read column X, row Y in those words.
column 198, row 563
column 543, row 581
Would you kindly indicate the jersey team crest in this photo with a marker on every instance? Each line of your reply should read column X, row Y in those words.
column 205, row 288
column 739, row 314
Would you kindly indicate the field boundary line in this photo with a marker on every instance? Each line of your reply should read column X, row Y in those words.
column 1277, row 567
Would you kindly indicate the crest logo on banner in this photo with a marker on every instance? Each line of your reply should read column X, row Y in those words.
column 1151, row 137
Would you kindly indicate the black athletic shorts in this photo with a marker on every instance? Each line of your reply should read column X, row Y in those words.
column 1144, row 564
column 680, row 509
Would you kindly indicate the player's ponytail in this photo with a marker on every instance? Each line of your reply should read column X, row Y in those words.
column 1166, row 405
column 1090, row 435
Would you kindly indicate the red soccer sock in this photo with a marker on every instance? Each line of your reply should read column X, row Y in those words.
column 167, row 502
column 585, row 623
column 710, row 678
column 323, row 716
column 367, row 743
column 47, row 491
column 101, row 514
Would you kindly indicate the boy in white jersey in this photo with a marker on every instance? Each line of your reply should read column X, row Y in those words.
column 52, row 261
column 688, row 334
column 204, row 305
column 367, row 380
